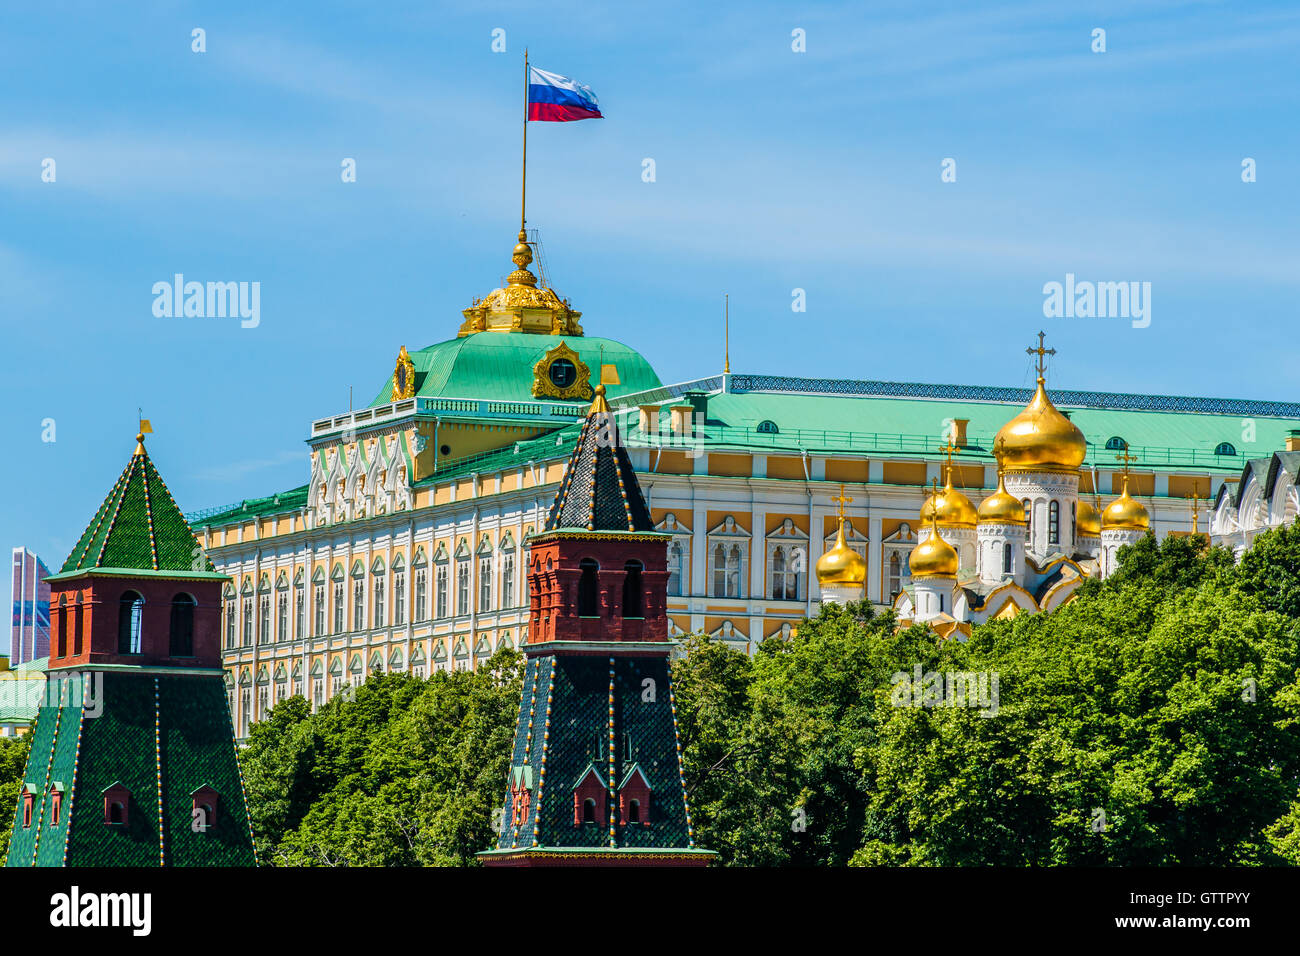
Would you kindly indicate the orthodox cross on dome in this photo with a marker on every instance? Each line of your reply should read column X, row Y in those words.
column 1194, row 501
column 1126, row 458
column 842, row 499
column 1040, row 365
column 999, row 448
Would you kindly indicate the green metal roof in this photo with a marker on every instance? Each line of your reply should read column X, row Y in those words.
column 1159, row 439
column 498, row 366
column 137, row 528
column 1181, row 438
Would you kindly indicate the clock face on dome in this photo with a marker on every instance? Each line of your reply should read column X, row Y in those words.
column 561, row 373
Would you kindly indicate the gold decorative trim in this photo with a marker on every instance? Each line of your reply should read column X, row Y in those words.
column 543, row 387
column 403, row 376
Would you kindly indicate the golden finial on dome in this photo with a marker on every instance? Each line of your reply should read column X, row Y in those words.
column 1125, row 513
column 1001, row 507
column 841, row 566
column 1040, row 438
column 598, row 404
column 933, row 557
column 950, row 507
column 522, row 257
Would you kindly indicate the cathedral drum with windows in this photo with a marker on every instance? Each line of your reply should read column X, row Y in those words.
column 133, row 756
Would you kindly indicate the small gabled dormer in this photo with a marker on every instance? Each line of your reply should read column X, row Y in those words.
column 204, row 803
column 588, row 797
column 521, row 786
column 56, row 803
column 29, row 804
column 117, row 805
column 634, row 798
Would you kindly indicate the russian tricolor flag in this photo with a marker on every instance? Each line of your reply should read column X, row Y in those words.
column 558, row 99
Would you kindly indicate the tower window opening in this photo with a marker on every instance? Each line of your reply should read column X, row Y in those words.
column 1007, row 558
column 587, row 588
column 129, row 618
column 181, row 641
column 589, row 810
column 1029, row 517
column 1054, row 523
column 632, row 602
column 634, row 812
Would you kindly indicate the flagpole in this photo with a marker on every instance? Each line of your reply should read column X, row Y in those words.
column 523, row 191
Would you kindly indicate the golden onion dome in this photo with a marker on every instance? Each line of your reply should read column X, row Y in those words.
column 950, row 508
column 933, row 557
column 1125, row 513
column 841, row 566
column 1040, row 438
column 1001, row 507
column 1088, row 520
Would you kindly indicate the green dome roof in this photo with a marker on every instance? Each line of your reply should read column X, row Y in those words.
column 498, row 366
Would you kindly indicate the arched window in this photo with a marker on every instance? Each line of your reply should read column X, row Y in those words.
column 61, row 639
column 130, row 612
column 632, row 604
column 181, row 642
column 726, row 570
column 589, row 810
column 1115, row 443
column 767, row 427
column 1074, row 522
column 1007, row 558
column 1225, row 448
column 733, row 571
column 1029, row 517
column 675, row 569
column 76, row 629
column 587, row 588
column 634, row 812
column 1054, row 523
column 895, row 575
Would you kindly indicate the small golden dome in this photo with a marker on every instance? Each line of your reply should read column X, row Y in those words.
column 841, row 566
column 933, row 557
column 1001, row 507
column 1088, row 520
column 1125, row 513
column 1040, row 438
column 950, row 508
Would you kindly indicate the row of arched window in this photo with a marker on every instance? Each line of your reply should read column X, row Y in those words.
column 589, row 589
column 130, row 619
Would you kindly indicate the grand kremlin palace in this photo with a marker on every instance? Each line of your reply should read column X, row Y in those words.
column 403, row 551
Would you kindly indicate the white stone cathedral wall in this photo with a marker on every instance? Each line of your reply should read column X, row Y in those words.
column 992, row 538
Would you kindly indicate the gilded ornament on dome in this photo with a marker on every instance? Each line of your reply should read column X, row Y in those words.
column 403, row 376
column 561, row 373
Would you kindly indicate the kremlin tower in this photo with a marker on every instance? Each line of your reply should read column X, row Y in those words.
column 133, row 757
column 596, row 776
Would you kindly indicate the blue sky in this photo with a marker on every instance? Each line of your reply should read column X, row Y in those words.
column 775, row 170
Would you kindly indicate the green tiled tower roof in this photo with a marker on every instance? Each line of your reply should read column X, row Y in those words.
column 138, row 528
column 599, row 490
